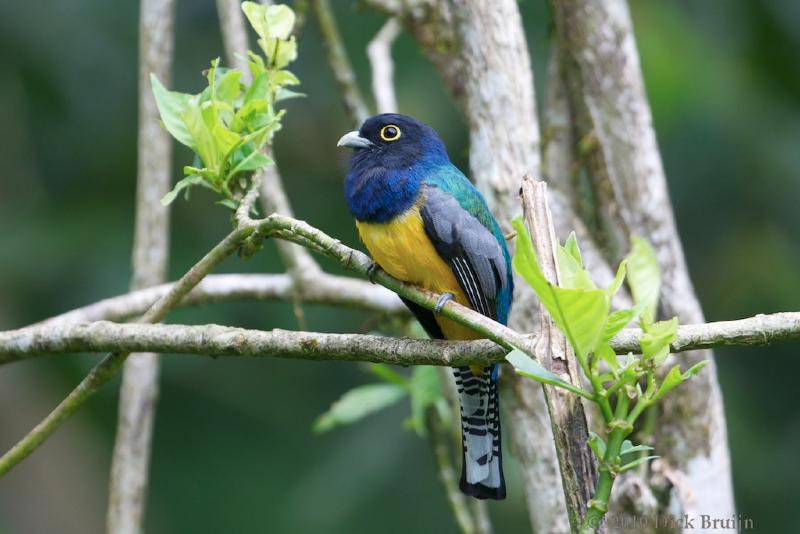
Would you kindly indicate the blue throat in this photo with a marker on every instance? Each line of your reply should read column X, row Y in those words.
column 379, row 187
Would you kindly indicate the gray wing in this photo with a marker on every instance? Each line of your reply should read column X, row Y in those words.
column 469, row 248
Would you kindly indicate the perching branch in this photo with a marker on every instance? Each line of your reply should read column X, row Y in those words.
column 215, row 340
column 139, row 390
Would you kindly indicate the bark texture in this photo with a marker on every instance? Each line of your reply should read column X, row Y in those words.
column 567, row 417
column 78, row 336
column 131, row 457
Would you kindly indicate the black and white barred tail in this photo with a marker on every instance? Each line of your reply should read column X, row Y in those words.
column 482, row 471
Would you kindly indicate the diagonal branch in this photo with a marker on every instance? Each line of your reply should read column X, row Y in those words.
column 111, row 364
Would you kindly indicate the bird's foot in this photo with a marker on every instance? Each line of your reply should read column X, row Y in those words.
column 443, row 298
column 372, row 270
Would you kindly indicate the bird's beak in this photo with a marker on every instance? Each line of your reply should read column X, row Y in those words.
column 353, row 140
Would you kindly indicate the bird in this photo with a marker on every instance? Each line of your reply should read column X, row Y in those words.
column 424, row 222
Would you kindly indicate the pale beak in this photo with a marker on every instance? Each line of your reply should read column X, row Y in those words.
column 353, row 140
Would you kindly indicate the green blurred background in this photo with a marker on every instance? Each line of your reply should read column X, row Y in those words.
column 233, row 450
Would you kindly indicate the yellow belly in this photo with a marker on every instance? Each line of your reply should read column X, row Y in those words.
column 402, row 248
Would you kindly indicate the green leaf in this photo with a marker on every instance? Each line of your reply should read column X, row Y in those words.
column 527, row 366
column 616, row 283
column 258, row 90
column 287, row 94
column 254, row 114
column 357, row 404
column 256, row 14
column 607, row 354
column 188, row 170
column 619, row 320
column 580, row 314
column 283, row 77
column 256, row 64
column 644, row 277
column 229, row 86
column 387, row 374
column 657, row 338
column 571, row 246
column 278, row 52
column 571, row 273
column 185, row 183
column 228, row 203
column 274, row 21
column 171, row 106
column 281, row 21
column 597, row 445
column 628, row 447
column 202, row 137
column 695, row 369
column 426, row 389
column 255, row 160
column 673, row 379
column 636, row 463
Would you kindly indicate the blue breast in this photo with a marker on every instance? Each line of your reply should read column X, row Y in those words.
column 377, row 193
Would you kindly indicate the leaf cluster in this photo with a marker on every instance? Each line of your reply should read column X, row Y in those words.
column 583, row 313
column 228, row 124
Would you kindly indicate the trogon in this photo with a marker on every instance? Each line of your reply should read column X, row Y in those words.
column 424, row 222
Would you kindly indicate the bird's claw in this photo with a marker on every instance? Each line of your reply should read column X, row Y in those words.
column 372, row 271
column 443, row 298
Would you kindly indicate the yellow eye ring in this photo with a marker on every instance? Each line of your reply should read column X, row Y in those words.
column 390, row 132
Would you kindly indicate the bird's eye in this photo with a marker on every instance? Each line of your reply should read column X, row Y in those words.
column 390, row 132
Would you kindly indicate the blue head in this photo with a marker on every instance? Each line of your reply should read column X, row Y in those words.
column 392, row 154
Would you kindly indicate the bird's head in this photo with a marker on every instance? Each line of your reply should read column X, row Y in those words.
column 392, row 155
column 393, row 141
